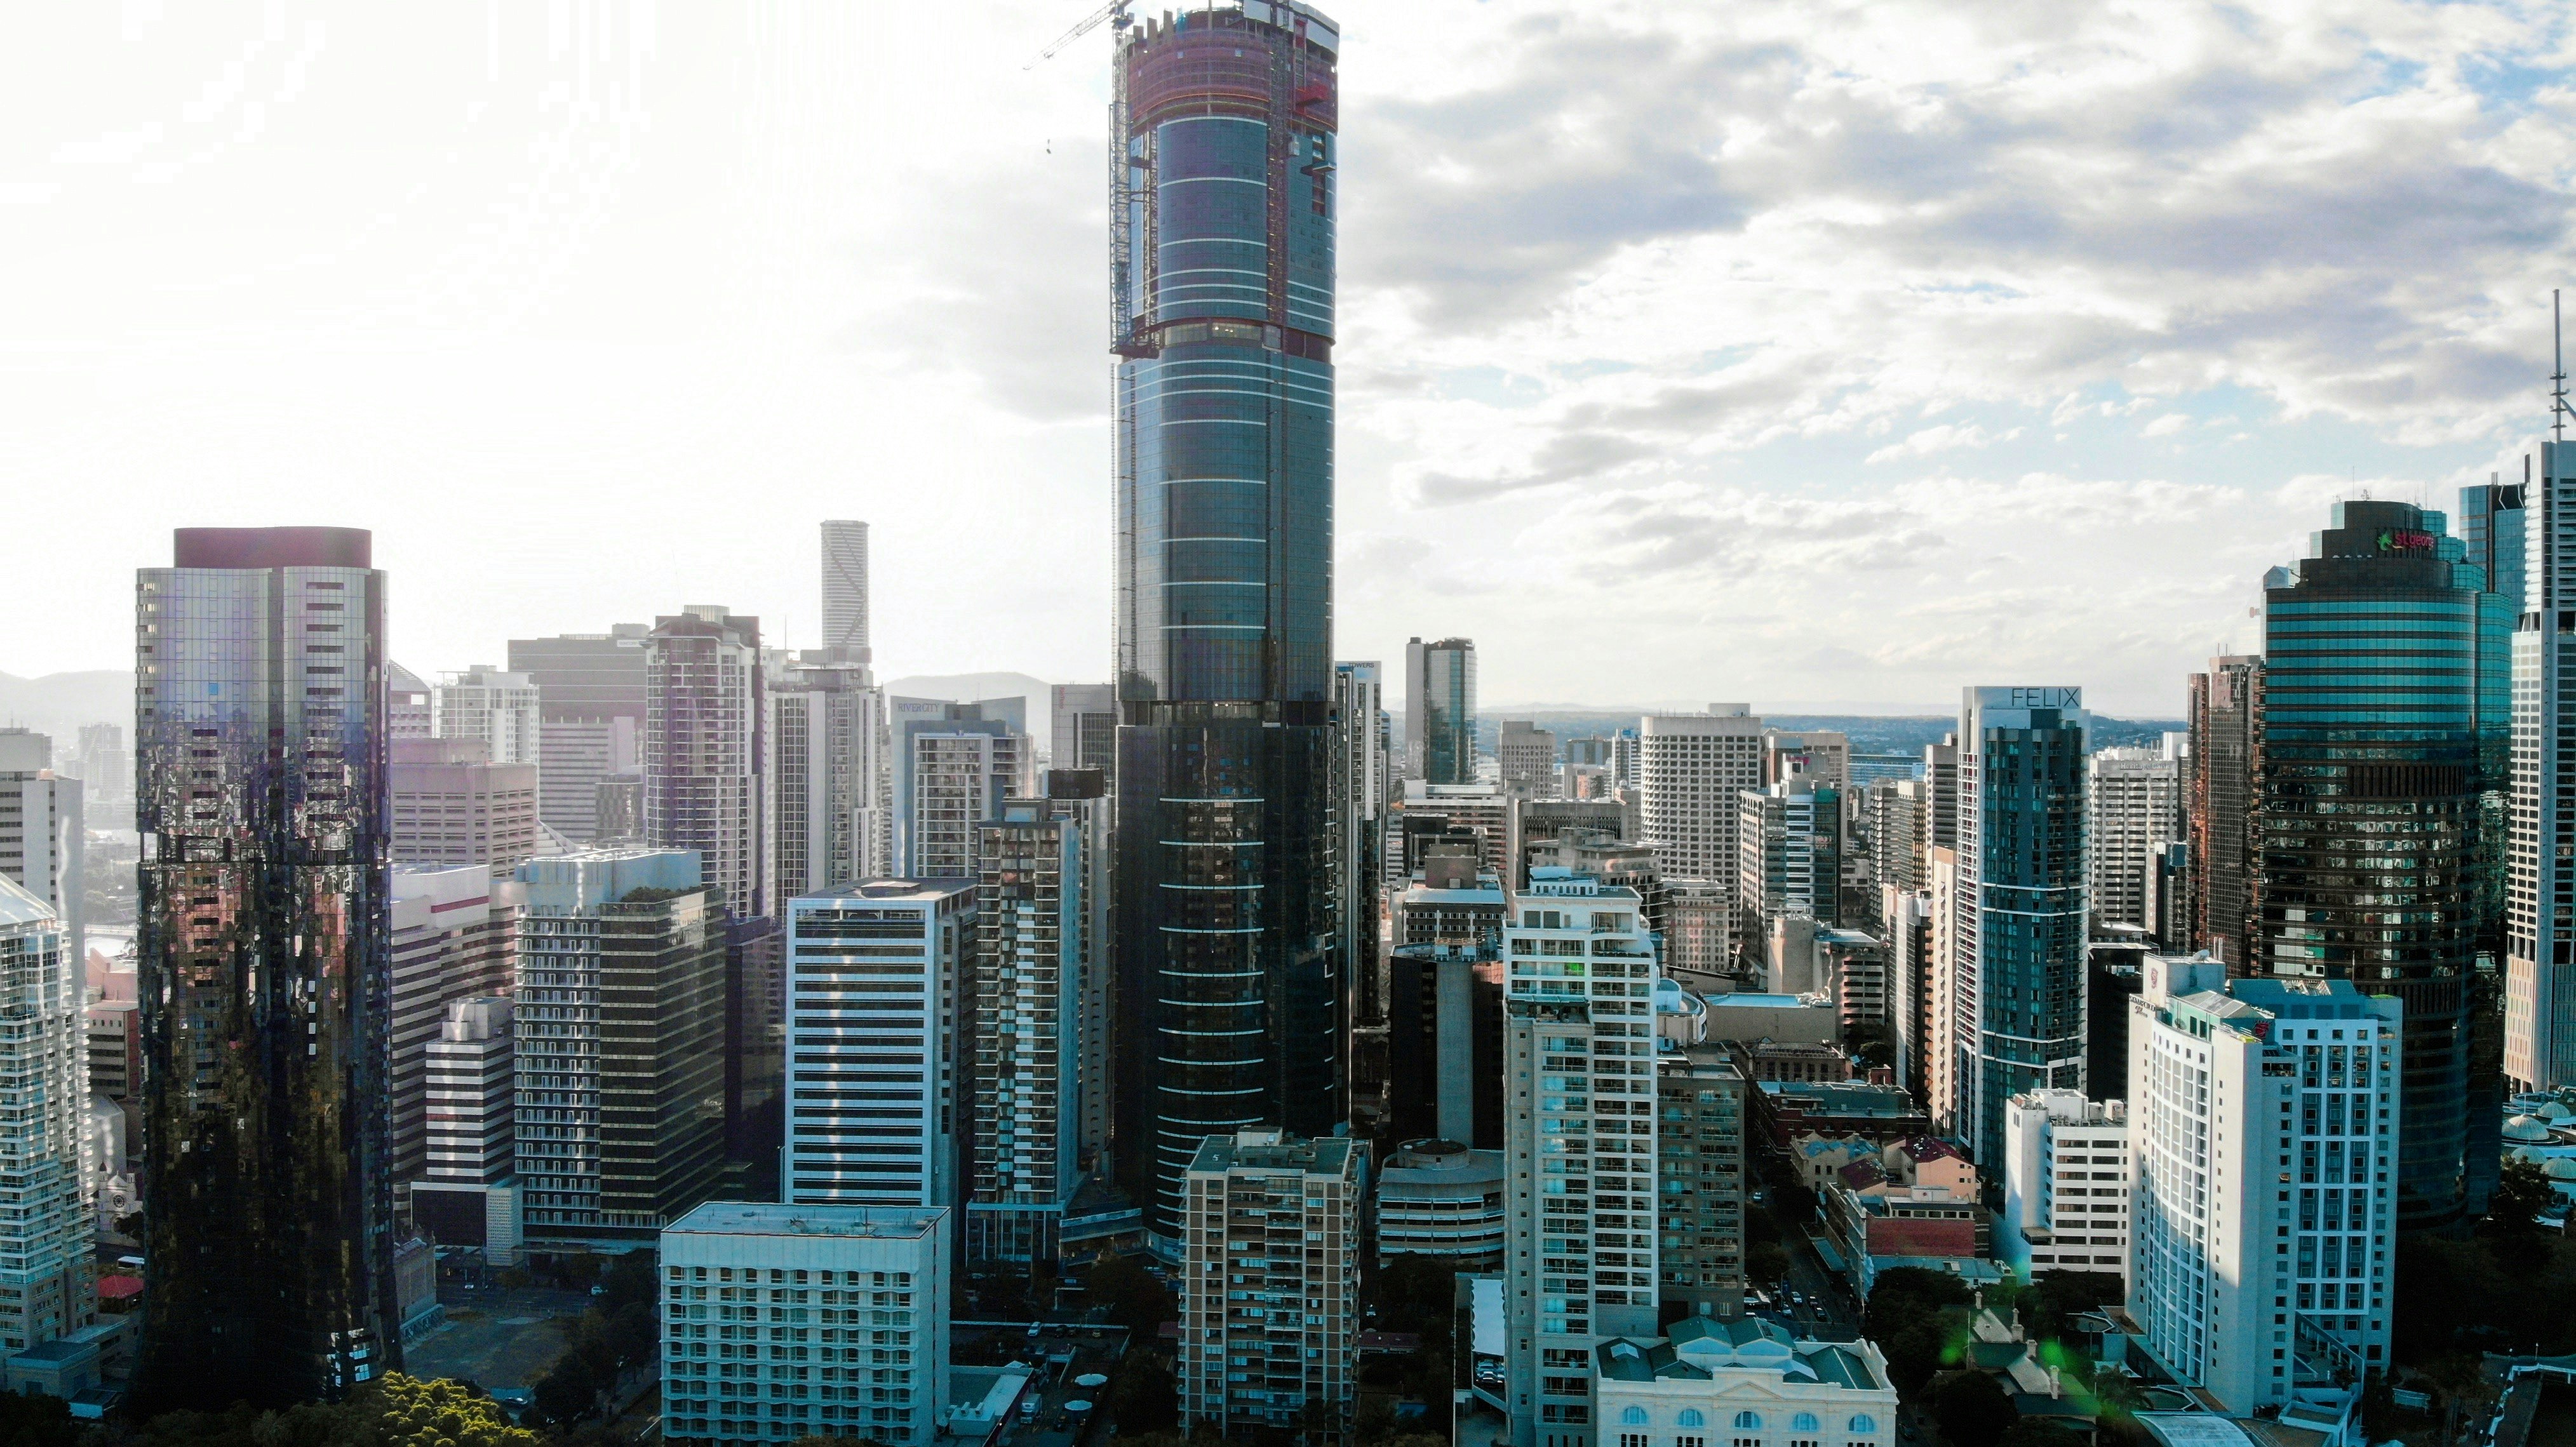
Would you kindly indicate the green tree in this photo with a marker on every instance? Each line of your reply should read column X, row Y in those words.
column 1135, row 1300
column 2041, row 1432
column 30, row 1421
column 1972, row 1408
column 1143, row 1398
column 1917, row 1316
column 2521, row 1195
column 397, row 1411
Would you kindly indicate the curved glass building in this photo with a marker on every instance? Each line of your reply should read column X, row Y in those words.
column 1222, row 216
column 2382, row 710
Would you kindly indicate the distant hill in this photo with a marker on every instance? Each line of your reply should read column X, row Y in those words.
column 59, row 703
column 968, row 687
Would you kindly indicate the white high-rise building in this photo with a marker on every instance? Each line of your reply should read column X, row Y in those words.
column 43, row 837
column 1579, row 1144
column 2540, row 850
column 496, row 707
column 591, row 692
column 1693, row 769
column 1789, row 853
column 2133, row 806
column 954, row 764
column 702, row 749
column 455, row 937
column 845, row 588
column 2263, row 1131
column 1024, row 1029
column 876, row 978
column 2066, row 1184
column 47, row 1281
column 829, row 776
column 470, row 1109
column 874, row 1279
column 1270, row 1295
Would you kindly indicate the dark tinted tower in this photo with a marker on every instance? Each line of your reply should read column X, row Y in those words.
column 1223, row 212
column 260, row 793
column 2384, row 660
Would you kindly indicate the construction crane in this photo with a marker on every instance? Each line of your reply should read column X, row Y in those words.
column 1115, row 10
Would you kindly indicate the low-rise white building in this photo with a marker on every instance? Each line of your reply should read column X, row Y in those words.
column 2066, row 1183
column 1744, row 1383
column 781, row 1322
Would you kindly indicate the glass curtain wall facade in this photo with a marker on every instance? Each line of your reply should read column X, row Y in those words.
column 2382, row 705
column 2539, row 1026
column 2019, row 908
column 266, row 968
column 1440, row 710
column 1223, row 213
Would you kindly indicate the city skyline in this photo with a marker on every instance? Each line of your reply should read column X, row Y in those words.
column 1738, row 434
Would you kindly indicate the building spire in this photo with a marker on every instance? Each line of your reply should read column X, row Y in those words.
column 2557, row 374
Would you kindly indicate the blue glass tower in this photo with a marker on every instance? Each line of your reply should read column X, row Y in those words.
column 2385, row 702
column 2016, row 1014
column 1229, row 974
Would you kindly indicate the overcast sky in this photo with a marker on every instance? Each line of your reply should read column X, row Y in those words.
column 1793, row 353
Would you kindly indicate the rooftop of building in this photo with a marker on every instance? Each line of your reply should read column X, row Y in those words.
column 1764, row 1000
column 1444, row 1160
column 888, row 891
column 1555, row 881
column 19, row 908
column 1271, row 1149
column 1699, row 1347
column 1843, row 1097
column 758, row 1218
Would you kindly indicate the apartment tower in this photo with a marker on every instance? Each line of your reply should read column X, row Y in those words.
column 1440, row 710
column 1223, row 214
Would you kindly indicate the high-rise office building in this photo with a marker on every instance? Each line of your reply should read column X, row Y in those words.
column 1579, row 1066
column 2261, row 1132
column 1892, row 812
column 2133, row 806
column 1526, row 755
column 2015, row 1002
column 1820, row 754
column 47, row 1278
column 618, row 1030
column 1440, row 710
column 1693, row 770
column 1023, row 1008
column 1789, row 854
column 2375, row 759
column 455, row 936
column 845, row 590
column 829, row 776
column 878, row 1279
column 2223, row 799
column 1083, row 732
column 954, row 764
column 1361, row 784
column 487, row 704
column 1270, row 1321
column 1905, row 923
column 265, row 942
column 1222, row 222
column 106, row 771
column 877, row 974
column 44, row 834
column 591, row 690
column 1704, row 1170
column 2540, row 950
column 702, row 748
column 408, row 711
column 470, row 1094
column 452, row 805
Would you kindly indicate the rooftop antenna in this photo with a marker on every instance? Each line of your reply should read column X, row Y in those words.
column 2558, row 375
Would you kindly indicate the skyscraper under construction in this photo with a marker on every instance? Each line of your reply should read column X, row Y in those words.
column 1222, row 152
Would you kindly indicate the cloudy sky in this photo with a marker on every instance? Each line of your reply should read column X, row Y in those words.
column 1804, row 353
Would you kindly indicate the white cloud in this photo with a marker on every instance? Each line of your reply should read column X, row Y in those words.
column 552, row 298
